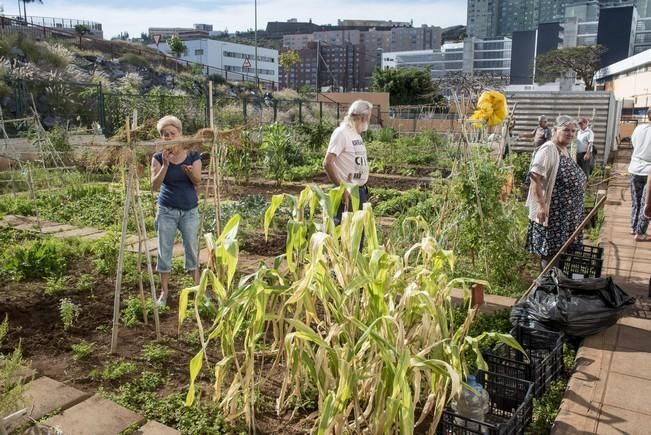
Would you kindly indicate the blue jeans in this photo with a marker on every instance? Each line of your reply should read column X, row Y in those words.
column 168, row 220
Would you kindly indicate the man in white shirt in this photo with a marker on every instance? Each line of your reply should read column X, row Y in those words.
column 640, row 168
column 346, row 160
column 585, row 151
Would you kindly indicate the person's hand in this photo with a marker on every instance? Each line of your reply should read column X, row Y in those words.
column 345, row 200
column 647, row 211
column 166, row 156
column 542, row 213
column 187, row 169
column 586, row 156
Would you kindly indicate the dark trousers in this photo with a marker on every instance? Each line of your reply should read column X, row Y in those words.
column 585, row 165
column 639, row 223
column 363, row 197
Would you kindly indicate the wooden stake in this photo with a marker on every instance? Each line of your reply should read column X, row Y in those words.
column 140, row 220
column 211, row 121
column 139, row 265
column 118, row 279
column 566, row 245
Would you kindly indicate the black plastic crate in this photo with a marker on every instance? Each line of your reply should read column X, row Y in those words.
column 583, row 262
column 511, row 406
column 545, row 352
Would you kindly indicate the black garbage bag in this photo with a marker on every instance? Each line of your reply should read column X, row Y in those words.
column 575, row 307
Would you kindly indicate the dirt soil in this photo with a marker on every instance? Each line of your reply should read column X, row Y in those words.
column 35, row 324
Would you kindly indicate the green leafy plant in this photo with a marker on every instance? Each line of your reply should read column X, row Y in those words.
column 85, row 283
column 56, row 284
column 82, row 350
column 69, row 312
column 156, row 354
column 114, row 371
column 11, row 365
column 276, row 146
column 132, row 313
column 38, row 258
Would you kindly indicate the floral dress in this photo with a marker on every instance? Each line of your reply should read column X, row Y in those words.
column 565, row 212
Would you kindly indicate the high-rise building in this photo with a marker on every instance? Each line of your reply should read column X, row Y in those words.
column 492, row 18
column 369, row 44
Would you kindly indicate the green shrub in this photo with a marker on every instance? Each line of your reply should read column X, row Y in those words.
column 82, row 350
column 134, row 60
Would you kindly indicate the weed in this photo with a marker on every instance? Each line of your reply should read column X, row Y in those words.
column 38, row 258
column 545, row 409
column 11, row 390
column 69, row 312
column 85, row 283
column 114, row 371
column 157, row 354
column 132, row 313
column 82, row 350
column 56, row 284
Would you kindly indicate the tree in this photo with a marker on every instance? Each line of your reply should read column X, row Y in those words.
column 25, row 8
column 81, row 30
column 406, row 86
column 287, row 60
column 176, row 45
column 583, row 61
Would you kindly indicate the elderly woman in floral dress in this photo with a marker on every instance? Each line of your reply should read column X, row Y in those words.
column 555, row 199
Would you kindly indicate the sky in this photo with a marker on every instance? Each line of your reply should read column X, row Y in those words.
column 137, row 16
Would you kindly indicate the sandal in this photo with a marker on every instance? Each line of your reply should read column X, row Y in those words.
column 642, row 238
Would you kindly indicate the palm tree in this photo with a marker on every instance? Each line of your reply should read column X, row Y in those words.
column 29, row 1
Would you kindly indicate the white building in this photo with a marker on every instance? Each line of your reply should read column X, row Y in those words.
column 231, row 61
column 473, row 56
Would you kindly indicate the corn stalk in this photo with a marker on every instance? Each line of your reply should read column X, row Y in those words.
column 370, row 329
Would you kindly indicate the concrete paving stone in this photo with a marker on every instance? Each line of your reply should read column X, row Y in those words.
column 77, row 232
column 613, row 420
column 632, row 337
column 45, row 395
column 155, row 428
column 29, row 226
column 95, row 416
column 628, row 392
column 575, row 423
column 58, row 228
column 631, row 361
column 93, row 237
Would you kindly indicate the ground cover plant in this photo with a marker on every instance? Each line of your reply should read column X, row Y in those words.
column 363, row 336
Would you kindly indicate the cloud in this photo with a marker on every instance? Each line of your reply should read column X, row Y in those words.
column 135, row 17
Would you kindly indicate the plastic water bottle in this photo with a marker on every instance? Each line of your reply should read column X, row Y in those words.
column 472, row 405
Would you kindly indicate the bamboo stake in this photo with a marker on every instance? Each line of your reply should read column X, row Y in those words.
column 567, row 244
column 139, row 265
column 140, row 220
column 32, row 194
column 118, row 279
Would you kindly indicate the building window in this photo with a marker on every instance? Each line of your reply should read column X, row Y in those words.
column 198, row 52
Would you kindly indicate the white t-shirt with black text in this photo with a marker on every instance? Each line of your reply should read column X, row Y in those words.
column 351, row 164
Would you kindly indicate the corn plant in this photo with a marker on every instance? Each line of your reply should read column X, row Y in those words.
column 372, row 330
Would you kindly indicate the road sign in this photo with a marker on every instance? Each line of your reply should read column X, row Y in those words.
column 157, row 39
column 246, row 63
